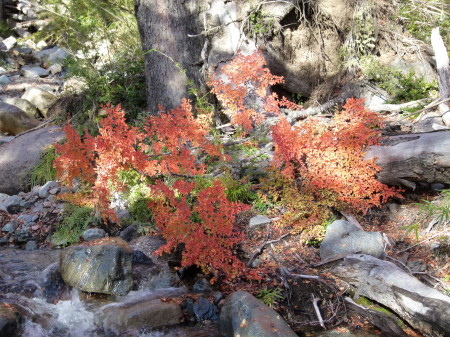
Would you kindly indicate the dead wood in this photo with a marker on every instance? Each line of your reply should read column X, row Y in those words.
column 411, row 158
column 424, row 308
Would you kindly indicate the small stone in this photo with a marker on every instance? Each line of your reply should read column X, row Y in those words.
column 31, row 245
column 259, row 220
column 34, row 72
column 41, row 44
column 139, row 257
column 437, row 187
column 55, row 69
column 129, row 233
column 93, row 234
column 47, row 204
column 54, row 191
column 44, row 191
column 4, row 79
column 202, row 286
column 8, row 43
column 10, row 227
column 12, row 204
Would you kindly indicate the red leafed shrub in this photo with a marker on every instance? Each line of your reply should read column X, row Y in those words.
column 243, row 75
column 166, row 145
column 205, row 228
column 329, row 155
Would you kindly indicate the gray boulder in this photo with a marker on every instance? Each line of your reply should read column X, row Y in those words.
column 343, row 237
column 44, row 191
column 14, row 120
column 99, row 266
column 34, row 72
column 51, row 56
column 258, row 221
column 20, row 155
column 24, row 105
column 144, row 311
column 41, row 98
column 93, row 234
column 245, row 316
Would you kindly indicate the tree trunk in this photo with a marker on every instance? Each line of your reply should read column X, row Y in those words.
column 424, row 308
column 411, row 158
column 171, row 56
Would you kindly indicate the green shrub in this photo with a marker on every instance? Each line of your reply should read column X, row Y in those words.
column 44, row 170
column 75, row 220
column 401, row 87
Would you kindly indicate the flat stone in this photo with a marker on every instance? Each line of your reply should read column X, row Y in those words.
column 34, row 72
column 343, row 237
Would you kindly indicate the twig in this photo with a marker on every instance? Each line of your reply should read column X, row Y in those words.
column 316, row 309
column 260, row 250
column 36, row 128
column 417, row 244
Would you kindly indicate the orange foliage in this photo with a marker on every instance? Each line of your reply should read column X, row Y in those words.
column 206, row 228
column 238, row 80
column 330, row 155
column 165, row 145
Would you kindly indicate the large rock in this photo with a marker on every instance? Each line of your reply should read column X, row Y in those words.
column 343, row 237
column 14, row 120
column 145, row 311
column 19, row 156
column 24, row 105
column 99, row 266
column 10, row 320
column 245, row 316
column 51, row 56
column 42, row 99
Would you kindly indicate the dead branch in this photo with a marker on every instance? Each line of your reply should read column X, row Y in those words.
column 260, row 250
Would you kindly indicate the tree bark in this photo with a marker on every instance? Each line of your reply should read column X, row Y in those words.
column 171, row 56
column 411, row 158
column 424, row 308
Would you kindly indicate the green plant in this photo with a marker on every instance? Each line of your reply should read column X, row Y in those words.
column 270, row 297
column 437, row 211
column 259, row 23
column 237, row 190
column 5, row 29
column 401, row 87
column 44, row 170
column 75, row 220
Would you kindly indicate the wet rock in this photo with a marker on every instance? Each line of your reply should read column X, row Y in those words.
column 145, row 311
column 99, row 266
column 44, row 191
column 19, row 156
column 41, row 98
column 93, row 234
column 14, row 120
column 259, row 220
column 343, row 237
column 24, row 105
column 201, row 310
column 34, row 72
column 245, row 316
column 10, row 320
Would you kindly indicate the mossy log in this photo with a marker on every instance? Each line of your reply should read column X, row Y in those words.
column 424, row 308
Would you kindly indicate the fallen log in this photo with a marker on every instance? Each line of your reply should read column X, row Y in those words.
column 424, row 308
column 411, row 158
